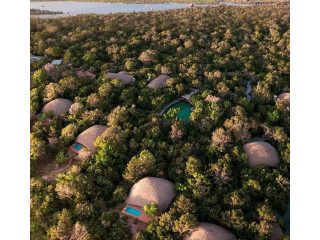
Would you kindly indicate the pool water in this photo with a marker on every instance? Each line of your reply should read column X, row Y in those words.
column 256, row 140
column 133, row 211
column 77, row 147
column 40, row 116
column 185, row 110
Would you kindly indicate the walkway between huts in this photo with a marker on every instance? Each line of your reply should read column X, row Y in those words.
column 169, row 105
column 248, row 90
column 53, row 175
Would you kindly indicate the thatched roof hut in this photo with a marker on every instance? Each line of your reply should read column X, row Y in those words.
column 158, row 82
column 261, row 153
column 89, row 136
column 276, row 232
column 123, row 76
column 208, row 231
column 81, row 73
column 151, row 189
column 285, row 97
column 58, row 106
column 211, row 99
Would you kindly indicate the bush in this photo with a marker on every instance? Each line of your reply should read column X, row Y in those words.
column 150, row 209
column 62, row 157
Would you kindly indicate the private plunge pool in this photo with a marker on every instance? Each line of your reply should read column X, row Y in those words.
column 77, row 147
column 184, row 109
column 133, row 211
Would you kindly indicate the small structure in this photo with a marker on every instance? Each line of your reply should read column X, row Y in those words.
column 81, row 73
column 83, row 146
column 159, row 82
column 261, row 153
column 208, row 231
column 285, row 98
column 56, row 62
column 212, row 99
column 58, row 106
column 187, row 97
column 147, row 190
column 276, row 232
column 35, row 58
column 123, row 76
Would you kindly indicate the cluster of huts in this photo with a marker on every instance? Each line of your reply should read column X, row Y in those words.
column 157, row 190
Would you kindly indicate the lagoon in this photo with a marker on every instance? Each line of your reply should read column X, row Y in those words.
column 75, row 8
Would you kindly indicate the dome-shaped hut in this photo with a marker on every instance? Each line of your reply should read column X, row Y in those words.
column 208, row 231
column 285, row 98
column 276, row 232
column 159, row 82
column 261, row 153
column 123, row 76
column 58, row 106
column 86, row 140
column 151, row 190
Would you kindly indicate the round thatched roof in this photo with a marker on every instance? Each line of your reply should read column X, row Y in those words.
column 211, row 99
column 208, row 231
column 276, row 232
column 151, row 189
column 123, row 76
column 261, row 153
column 285, row 97
column 88, row 137
column 58, row 106
column 158, row 82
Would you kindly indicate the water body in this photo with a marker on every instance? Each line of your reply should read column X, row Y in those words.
column 75, row 8
column 185, row 110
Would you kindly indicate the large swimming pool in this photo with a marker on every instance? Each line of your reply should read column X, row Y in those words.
column 185, row 110
column 133, row 211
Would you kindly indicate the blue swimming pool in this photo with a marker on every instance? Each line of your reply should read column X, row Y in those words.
column 40, row 116
column 133, row 211
column 77, row 147
column 256, row 140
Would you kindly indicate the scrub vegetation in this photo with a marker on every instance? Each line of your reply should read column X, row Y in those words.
column 175, row 1
column 39, row 12
column 216, row 50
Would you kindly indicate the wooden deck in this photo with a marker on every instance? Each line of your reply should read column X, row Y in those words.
column 142, row 218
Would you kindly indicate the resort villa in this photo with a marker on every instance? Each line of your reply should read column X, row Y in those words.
column 123, row 76
column 58, row 107
column 208, row 231
column 259, row 152
column 145, row 191
column 35, row 58
column 276, row 232
column 158, row 82
column 81, row 73
column 285, row 98
column 56, row 62
column 83, row 146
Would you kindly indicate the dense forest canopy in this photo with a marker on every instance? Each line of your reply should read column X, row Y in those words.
column 216, row 50
column 174, row 1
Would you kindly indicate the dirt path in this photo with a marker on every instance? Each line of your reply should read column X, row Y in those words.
column 53, row 175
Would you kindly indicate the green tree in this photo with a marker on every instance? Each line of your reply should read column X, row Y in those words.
column 150, row 209
column 140, row 166
column 39, row 77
